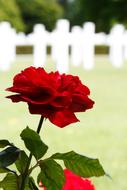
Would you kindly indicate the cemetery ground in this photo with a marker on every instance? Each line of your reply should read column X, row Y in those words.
column 101, row 132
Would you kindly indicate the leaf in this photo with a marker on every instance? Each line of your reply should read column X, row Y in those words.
column 9, row 156
column 26, row 187
column 21, row 162
column 3, row 170
column 9, row 182
column 51, row 175
column 32, row 184
column 33, row 143
column 4, row 143
column 7, row 170
column 81, row 165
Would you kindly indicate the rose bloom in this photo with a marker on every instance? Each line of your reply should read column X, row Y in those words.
column 74, row 182
column 54, row 96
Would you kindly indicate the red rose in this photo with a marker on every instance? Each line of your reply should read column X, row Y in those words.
column 74, row 182
column 51, row 95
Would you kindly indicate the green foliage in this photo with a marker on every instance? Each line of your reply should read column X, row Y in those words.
column 33, row 143
column 9, row 11
column 103, row 13
column 32, row 184
column 8, row 156
column 23, row 15
column 21, row 162
column 4, row 170
column 4, row 143
column 81, row 165
column 51, row 175
column 39, row 11
column 9, row 182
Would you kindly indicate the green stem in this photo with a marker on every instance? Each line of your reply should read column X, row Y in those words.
column 25, row 174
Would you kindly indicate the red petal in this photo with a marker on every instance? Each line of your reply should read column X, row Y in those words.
column 76, row 182
column 81, row 103
column 62, row 100
column 15, row 98
column 63, row 118
column 44, row 110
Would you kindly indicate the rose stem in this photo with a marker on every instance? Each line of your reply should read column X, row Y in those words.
column 25, row 174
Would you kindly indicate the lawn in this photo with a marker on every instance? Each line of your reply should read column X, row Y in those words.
column 101, row 132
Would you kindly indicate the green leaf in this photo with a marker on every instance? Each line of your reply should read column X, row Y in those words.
column 7, row 170
column 26, row 183
column 4, row 143
column 81, row 165
column 3, row 170
column 33, row 143
column 27, row 188
column 9, row 182
column 9, row 156
column 21, row 162
column 32, row 184
column 51, row 175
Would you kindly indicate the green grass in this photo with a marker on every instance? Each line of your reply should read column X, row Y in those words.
column 101, row 132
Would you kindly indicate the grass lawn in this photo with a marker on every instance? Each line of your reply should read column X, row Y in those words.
column 101, row 132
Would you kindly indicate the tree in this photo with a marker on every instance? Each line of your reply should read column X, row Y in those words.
column 64, row 3
column 104, row 13
column 9, row 11
column 39, row 11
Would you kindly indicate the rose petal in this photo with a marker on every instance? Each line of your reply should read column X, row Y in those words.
column 52, row 95
column 62, row 100
column 63, row 118
column 15, row 98
column 75, row 182
column 81, row 103
column 44, row 110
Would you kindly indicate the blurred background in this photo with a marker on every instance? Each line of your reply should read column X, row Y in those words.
column 91, row 43
column 23, row 15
